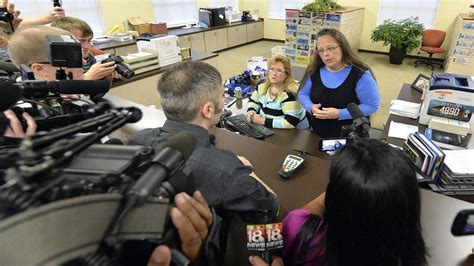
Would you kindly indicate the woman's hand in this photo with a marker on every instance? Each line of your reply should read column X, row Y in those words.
column 250, row 114
column 257, row 119
column 326, row 113
column 257, row 261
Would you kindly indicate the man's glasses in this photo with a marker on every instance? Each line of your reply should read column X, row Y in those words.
column 276, row 70
column 330, row 49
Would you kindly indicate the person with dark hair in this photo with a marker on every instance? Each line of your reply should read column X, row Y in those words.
column 192, row 97
column 334, row 78
column 369, row 214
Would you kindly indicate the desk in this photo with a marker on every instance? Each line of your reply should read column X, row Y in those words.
column 438, row 211
column 411, row 95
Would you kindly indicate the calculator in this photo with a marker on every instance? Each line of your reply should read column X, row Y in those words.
column 291, row 163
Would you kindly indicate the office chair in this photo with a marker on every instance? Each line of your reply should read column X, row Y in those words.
column 431, row 43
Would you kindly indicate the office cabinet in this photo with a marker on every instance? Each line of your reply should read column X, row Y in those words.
column 216, row 40
column 460, row 56
column 254, row 31
column 194, row 41
column 237, row 35
column 302, row 27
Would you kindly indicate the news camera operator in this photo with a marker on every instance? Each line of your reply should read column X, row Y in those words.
column 93, row 70
column 55, row 13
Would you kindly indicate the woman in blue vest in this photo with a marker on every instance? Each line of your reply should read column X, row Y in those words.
column 336, row 77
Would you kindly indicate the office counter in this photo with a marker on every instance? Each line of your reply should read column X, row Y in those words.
column 142, row 88
column 438, row 211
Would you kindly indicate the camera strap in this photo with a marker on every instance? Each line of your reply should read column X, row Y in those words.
column 57, row 232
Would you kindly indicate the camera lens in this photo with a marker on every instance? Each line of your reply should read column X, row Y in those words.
column 124, row 71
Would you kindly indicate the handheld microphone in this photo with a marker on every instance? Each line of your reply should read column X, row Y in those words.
column 10, row 94
column 361, row 123
column 164, row 163
column 181, row 181
column 266, row 236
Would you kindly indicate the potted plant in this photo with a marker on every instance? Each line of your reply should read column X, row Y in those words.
column 402, row 35
column 321, row 6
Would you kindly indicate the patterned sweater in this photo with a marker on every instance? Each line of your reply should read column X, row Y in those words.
column 282, row 112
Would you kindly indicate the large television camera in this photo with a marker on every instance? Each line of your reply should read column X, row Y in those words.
column 44, row 101
column 86, row 201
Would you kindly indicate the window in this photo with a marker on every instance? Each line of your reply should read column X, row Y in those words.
column 87, row 10
column 225, row 3
column 175, row 12
column 277, row 8
column 400, row 9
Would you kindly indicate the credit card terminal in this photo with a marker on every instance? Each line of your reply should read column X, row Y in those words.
column 292, row 162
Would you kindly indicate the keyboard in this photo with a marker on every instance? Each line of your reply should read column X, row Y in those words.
column 240, row 124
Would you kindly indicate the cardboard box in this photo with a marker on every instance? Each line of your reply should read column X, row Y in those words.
column 158, row 28
column 186, row 53
column 139, row 25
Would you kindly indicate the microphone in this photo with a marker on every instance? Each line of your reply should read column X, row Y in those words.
column 181, row 181
column 40, row 87
column 265, row 236
column 360, row 122
column 10, row 94
column 172, row 155
column 91, row 87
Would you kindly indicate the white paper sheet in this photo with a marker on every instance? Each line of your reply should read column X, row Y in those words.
column 401, row 131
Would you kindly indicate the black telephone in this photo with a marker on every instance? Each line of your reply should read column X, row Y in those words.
column 246, row 16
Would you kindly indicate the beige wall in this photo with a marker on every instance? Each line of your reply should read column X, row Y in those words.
column 445, row 18
column 117, row 11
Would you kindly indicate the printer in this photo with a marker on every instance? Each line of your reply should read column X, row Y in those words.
column 167, row 47
column 448, row 104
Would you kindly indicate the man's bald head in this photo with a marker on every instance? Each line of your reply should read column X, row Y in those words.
column 27, row 45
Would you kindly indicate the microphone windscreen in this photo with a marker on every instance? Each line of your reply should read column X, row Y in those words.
column 91, row 87
column 10, row 94
column 354, row 110
column 184, row 142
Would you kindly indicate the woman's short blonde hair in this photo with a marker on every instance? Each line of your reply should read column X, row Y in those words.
column 289, row 84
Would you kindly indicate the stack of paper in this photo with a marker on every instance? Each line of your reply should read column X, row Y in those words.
column 460, row 161
column 404, row 108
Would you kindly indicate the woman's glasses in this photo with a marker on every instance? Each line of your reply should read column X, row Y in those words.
column 330, row 49
column 276, row 70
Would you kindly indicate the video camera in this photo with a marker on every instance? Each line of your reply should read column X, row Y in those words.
column 43, row 101
column 87, row 200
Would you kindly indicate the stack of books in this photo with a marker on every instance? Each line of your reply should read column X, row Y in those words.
column 426, row 155
column 457, row 174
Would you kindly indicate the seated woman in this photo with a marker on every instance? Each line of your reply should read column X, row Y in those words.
column 369, row 215
column 274, row 103
column 334, row 78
